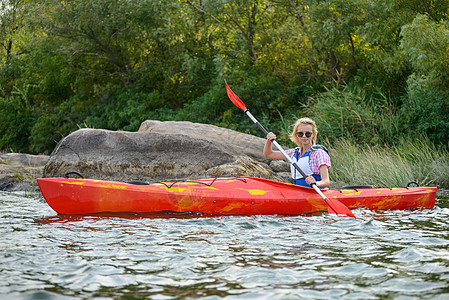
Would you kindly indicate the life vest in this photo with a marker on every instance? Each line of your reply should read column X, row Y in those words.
column 304, row 165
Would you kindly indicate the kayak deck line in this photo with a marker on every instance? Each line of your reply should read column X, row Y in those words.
column 219, row 196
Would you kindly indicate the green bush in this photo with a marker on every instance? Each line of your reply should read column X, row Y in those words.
column 16, row 120
column 426, row 112
column 210, row 108
column 44, row 134
column 348, row 113
column 127, row 108
column 263, row 96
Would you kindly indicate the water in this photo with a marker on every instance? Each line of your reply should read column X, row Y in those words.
column 379, row 255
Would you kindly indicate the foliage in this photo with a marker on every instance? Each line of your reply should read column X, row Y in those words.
column 349, row 113
column 128, row 109
column 426, row 112
column 16, row 119
column 426, row 43
column 363, row 69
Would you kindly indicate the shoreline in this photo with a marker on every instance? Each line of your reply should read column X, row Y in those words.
column 18, row 171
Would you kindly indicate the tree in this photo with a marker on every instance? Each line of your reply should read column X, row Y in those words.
column 114, row 63
column 334, row 30
column 241, row 19
column 426, row 44
column 11, row 21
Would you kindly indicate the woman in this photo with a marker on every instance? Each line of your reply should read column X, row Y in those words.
column 314, row 162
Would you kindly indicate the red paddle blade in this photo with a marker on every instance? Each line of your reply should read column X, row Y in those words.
column 336, row 207
column 234, row 98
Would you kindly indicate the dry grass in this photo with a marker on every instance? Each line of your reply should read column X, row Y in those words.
column 386, row 166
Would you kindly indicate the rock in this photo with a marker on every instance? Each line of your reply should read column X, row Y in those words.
column 280, row 165
column 160, row 151
column 19, row 171
column 285, row 176
column 24, row 160
column 237, row 141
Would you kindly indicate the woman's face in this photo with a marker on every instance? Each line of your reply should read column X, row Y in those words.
column 305, row 134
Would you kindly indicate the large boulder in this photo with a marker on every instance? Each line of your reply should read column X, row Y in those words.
column 160, row 151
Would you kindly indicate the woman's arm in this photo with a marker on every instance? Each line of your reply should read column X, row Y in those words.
column 324, row 182
column 268, row 150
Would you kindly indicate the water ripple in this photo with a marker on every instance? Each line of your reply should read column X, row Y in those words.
column 392, row 254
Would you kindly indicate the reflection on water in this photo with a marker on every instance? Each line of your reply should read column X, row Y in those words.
column 378, row 255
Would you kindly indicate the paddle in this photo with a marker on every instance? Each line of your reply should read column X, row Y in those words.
column 333, row 205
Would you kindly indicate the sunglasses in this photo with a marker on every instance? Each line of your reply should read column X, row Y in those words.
column 301, row 134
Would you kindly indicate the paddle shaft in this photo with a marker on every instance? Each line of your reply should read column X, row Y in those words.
column 294, row 164
column 333, row 206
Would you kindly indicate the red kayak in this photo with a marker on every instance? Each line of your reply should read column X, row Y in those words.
column 220, row 196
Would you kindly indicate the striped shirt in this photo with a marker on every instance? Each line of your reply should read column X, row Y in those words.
column 317, row 158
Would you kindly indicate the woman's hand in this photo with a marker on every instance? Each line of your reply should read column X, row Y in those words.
column 268, row 151
column 310, row 180
column 271, row 136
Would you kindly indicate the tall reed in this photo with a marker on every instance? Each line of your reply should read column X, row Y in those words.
column 350, row 113
column 383, row 166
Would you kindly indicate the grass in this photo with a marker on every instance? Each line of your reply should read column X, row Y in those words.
column 383, row 166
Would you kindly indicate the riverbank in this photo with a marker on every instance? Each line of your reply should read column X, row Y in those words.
column 352, row 164
column 18, row 171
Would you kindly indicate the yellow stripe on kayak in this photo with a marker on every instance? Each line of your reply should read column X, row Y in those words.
column 255, row 192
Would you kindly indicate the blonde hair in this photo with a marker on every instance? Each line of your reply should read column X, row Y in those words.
column 304, row 121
